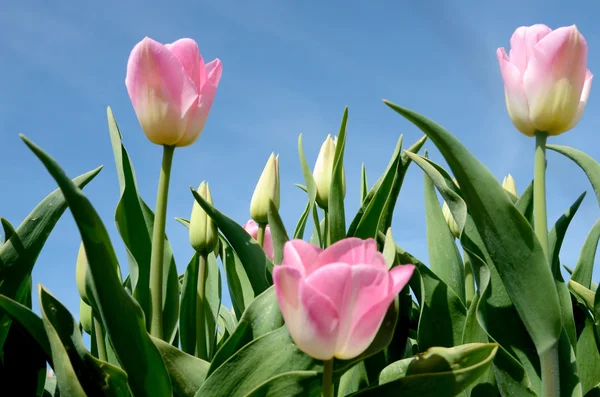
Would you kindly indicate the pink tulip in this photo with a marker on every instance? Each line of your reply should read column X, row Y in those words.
column 545, row 77
column 333, row 301
column 252, row 228
column 171, row 89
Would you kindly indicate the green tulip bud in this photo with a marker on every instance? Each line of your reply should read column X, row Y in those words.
column 203, row 231
column 452, row 225
column 85, row 316
column 510, row 186
column 323, row 171
column 81, row 270
column 266, row 189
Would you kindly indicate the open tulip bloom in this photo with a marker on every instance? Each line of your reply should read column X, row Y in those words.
column 270, row 309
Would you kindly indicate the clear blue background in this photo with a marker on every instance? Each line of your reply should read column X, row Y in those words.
column 288, row 68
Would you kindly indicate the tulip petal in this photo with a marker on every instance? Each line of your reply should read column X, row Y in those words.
column 400, row 275
column 370, row 293
column 268, row 243
column 301, row 255
column 251, row 227
column 310, row 316
column 585, row 93
column 555, row 78
column 199, row 115
column 516, row 100
column 188, row 54
column 522, row 42
column 352, row 251
column 160, row 91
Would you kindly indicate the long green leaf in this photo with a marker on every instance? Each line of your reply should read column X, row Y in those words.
column 290, row 384
column 121, row 315
column 337, row 215
column 250, row 253
column 508, row 237
column 278, row 233
column 585, row 264
column 311, row 189
column 240, row 288
column 364, row 185
column 187, row 310
column 588, row 358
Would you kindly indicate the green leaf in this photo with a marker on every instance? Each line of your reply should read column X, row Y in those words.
column 131, row 215
column 364, row 186
column 187, row 373
column 93, row 375
column 389, row 249
column 184, row 222
column 121, row 315
column 240, row 289
column 437, row 372
column 290, row 384
column 585, row 264
column 588, row 359
column 212, row 302
column 508, row 237
column 187, row 310
column 525, row 203
column 590, row 166
column 8, row 229
column 250, row 253
column 370, row 220
column 19, row 253
column 311, row 189
column 261, row 317
column 65, row 373
column 337, row 216
column 444, row 259
column 583, row 294
column 299, row 231
column 278, row 233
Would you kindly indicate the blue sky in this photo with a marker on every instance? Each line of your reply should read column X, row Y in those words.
column 288, row 68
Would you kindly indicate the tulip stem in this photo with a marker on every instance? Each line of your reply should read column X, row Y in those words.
column 550, row 371
column 539, row 192
column 326, row 238
column 100, row 343
column 328, row 378
column 201, row 347
column 260, row 235
column 158, row 243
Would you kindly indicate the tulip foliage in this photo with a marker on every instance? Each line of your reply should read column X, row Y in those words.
column 322, row 307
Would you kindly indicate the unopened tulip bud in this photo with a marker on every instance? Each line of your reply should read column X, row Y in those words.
column 510, row 186
column 81, row 270
column 452, row 225
column 203, row 231
column 323, row 171
column 546, row 80
column 85, row 316
column 266, row 189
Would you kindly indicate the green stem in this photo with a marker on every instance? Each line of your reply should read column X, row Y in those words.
column 326, row 237
column 539, row 192
column 158, row 243
column 550, row 371
column 328, row 378
column 100, row 343
column 201, row 348
column 260, row 236
column 469, row 281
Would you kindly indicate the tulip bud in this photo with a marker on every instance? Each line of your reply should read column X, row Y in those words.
column 203, row 231
column 171, row 90
column 546, row 80
column 266, row 189
column 85, row 316
column 323, row 171
column 81, row 270
column 510, row 186
column 452, row 225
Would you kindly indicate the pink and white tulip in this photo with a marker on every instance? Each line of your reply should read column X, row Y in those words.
column 171, row 90
column 546, row 80
column 333, row 301
column 252, row 228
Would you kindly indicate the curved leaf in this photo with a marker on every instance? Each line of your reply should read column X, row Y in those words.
column 278, row 232
column 290, row 384
column 240, row 289
column 311, row 189
column 121, row 315
column 337, row 215
column 585, row 264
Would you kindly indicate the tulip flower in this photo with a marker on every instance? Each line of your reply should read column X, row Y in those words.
column 203, row 231
column 333, row 301
column 267, row 189
column 545, row 77
column 252, row 228
column 171, row 90
column 323, row 171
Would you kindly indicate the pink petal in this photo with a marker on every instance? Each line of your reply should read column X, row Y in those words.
column 585, row 93
column 199, row 116
column 160, row 91
column 370, row 287
column 301, row 255
column 268, row 244
column 251, row 227
column 516, row 100
column 352, row 251
column 335, row 282
column 188, row 54
column 555, row 78
column 310, row 317
column 400, row 275
column 522, row 42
